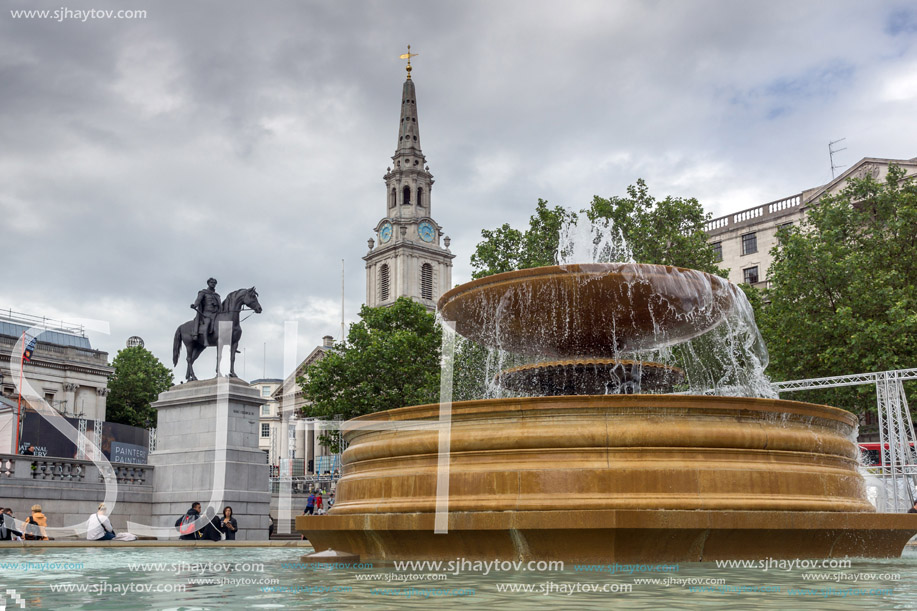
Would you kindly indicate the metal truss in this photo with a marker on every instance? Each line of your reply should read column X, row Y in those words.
column 897, row 442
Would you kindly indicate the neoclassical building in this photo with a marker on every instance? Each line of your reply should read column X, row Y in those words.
column 410, row 255
column 64, row 369
column 744, row 239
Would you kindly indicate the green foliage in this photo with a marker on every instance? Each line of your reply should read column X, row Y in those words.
column 667, row 232
column 138, row 379
column 506, row 249
column 391, row 359
column 842, row 288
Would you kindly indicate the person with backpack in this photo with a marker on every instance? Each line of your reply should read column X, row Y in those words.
column 310, row 504
column 185, row 524
column 8, row 530
column 35, row 525
column 98, row 526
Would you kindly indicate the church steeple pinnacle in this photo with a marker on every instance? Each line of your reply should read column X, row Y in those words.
column 409, row 131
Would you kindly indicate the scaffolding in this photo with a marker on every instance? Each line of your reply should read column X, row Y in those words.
column 897, row 442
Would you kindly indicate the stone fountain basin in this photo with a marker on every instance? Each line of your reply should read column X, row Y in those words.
column 595, row 310
column 615, row 477
column 609, row 452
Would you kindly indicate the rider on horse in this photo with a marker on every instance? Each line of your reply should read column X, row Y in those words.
column 207, row 306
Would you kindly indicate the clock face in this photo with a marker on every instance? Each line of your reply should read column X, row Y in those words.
column 385, row 234
column 426, row 231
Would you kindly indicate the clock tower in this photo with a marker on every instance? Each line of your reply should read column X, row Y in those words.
column 409, row 256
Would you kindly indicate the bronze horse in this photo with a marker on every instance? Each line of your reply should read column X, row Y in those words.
column 229, row 312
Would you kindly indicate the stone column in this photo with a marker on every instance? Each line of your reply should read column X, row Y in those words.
column 70, row 397
column 101, row 403
column 207, row 451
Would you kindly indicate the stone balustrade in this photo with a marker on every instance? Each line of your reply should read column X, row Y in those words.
column 48, row 468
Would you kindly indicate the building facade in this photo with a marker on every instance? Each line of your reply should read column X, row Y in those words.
column 409, row 256
column 744, row 239
column 64, row 370
column 268, row 417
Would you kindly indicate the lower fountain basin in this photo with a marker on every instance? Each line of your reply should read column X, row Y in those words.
column 606, row 472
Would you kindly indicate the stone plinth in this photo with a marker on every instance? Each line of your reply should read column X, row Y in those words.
column 207, row 451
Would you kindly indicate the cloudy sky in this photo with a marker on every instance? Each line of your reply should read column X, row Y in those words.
column 247, row 140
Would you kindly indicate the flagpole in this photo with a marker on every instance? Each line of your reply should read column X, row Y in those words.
column 19, row 405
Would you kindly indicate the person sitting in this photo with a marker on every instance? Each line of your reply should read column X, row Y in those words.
column 185, row 524
column 35, row 525
column 98, row 526
column 8, row 530
column 228, row 524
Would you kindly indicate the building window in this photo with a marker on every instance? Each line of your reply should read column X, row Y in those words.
column 407, row 196
column 426, row 281
column 751, row 275
column 265, row 429
column 749, row 243
column 717, row 251
column 420, row 196
column 383, row 282
column 265, row 410
column 265, row 391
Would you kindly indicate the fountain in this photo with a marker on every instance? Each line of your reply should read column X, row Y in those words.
column 593, row 457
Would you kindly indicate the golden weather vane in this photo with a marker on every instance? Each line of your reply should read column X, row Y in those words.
column 408, row 57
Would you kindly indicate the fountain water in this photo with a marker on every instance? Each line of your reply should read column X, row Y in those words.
column 579, row 450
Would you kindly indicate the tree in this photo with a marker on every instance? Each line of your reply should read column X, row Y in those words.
column 843, row 287
column 138, row 379
column 667, row 232
column 390, row 359
column 506, row 249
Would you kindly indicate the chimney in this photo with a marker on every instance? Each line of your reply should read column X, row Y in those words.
column 327, row 341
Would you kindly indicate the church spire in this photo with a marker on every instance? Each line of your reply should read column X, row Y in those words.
column 408, row 131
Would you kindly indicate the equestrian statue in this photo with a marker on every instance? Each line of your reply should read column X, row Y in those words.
column 204, row 330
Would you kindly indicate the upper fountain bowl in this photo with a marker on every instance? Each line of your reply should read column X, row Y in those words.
column 590, row 309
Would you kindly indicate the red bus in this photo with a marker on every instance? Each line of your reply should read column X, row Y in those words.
column 870, row 451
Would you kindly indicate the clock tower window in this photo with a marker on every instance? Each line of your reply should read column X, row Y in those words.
column 426, row 281
column 394, row 198
column 407, row 196
column 383, row 282
column 420, row 196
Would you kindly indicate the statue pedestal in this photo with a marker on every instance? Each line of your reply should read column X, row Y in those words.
column 207, row 451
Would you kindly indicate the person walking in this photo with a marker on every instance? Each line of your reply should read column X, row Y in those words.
column 310, row 504
column 98, row 526
column 228, row 524
column 318, row 504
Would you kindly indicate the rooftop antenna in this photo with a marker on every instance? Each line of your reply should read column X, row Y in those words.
column 831, row 152
column 342, row 299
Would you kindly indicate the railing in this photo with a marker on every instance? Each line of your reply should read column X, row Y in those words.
column 44, row 322
column 770, row 208
column 47, row 468
column 303, row 484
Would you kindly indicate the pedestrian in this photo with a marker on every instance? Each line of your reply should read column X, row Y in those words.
column 212, row 530
column 913, row 509
column 310, row 504
column 331, row 502
column 185, row 524
column 318, row 504
column 228, row 524
column 98, row 527
column 35, row 525
column 270, row 526
column 8, row 530
column 30, row 451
